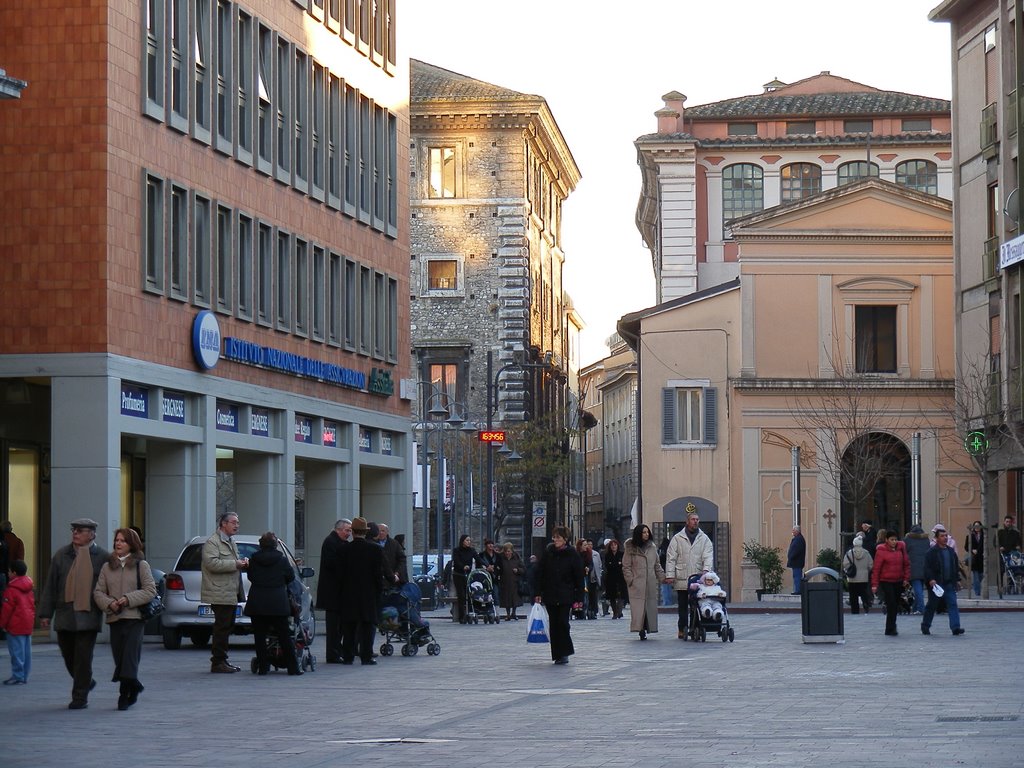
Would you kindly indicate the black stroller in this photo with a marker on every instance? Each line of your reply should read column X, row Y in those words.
column 716, row 622
column 302, row 638
column 400, row 621
column 480, row 598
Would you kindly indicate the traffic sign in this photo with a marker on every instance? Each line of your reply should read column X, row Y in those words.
column 540, row 519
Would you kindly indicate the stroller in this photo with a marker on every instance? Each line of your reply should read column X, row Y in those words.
column 400, row 621
column 699, row 625
column 480, row 598
column 302, row 637
column 905, row 602
column 1014, row 565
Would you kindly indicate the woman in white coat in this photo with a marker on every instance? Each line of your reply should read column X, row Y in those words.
column 641, row 567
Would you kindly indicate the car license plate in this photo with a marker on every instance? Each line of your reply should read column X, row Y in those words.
column 207, row 610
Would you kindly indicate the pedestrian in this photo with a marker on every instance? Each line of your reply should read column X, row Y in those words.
column 869, row 535
column 690, row 552
column 859, row 583
column 125, row 583
column 916, row 542
column 362, row 573
column 560, row 587
column 490, row 561
column 891, row 572
column 328, row 587
column 268, row 604
column 614, row 579
column 796, row 558
column 17, row 617
column 464, row 558
column 942, row 575
column 392, row 576
column 15, row 546
column 67, row 600
column 221, row 587
column 1007, row 540
column 950, row 541
column 511, row 571
column 976, row 555
column 596, row 580
column 641, row 570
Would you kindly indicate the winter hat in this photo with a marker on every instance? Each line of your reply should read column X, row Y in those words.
column 917, row 529
column 858, row 541
column 938, row 527
column 711, row 575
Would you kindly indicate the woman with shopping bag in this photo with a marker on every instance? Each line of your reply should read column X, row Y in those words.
column 560, row 588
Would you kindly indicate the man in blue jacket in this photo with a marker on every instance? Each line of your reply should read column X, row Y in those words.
column 941, row 570
column 796, row 558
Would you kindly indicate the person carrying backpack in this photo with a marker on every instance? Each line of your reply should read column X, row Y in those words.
column 857, row 567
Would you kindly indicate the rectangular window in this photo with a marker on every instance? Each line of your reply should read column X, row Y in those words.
column 334, row 149
column 800, row 128
column 284, row 114
column 246, row 95
column 318, row 293
column 365, row 159
column 244, row 269
column 201, row 63
column 318, row 133
column 442, row 275
column 225, row 98
column 301, row 292
column 391, row 55
column 365, row 310
column 875, row 339
column 300, row 132
column 351, row 23
column 201, row 251
column 380, row 315
column 265, row 275
column 154, row 234
column 441, row 174
column 742, row 129
column 444, row 380
column 283, row 259
column 334, row 300
column 351, row 303
column 265, row 115
column 334, row 15
column 154, row 65
column 916, row 124
column 179, row 244
column 224, row 260
column 392, row 175
column 392, row 350
column 177, row 115
column 689, row 415
column 380, row 162
column 351, row 152
column 858, row 126
column 365, row 26
column 379, row 34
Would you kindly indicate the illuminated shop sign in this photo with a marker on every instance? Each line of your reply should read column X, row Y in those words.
column 259, row 422
column 173, row 408
column 303, row 429
column 364, row 441
column 385, row 443
column 206, row 339
column 227, row 417
column 330, row 435
column 134, row 401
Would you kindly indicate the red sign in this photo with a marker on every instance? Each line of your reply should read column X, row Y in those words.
column 492, row 436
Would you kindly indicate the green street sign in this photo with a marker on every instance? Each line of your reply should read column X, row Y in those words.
column 976, row 443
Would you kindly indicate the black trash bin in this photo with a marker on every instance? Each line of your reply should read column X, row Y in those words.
column 821, row 607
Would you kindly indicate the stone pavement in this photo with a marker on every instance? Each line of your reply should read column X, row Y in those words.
column 766, row 700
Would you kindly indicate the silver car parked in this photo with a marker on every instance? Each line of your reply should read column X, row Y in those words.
column 184, row 612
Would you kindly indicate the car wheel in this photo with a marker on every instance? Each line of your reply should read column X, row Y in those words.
column 200, row 638
column 172, row 639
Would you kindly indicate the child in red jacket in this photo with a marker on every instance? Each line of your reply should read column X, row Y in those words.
column 17, row 618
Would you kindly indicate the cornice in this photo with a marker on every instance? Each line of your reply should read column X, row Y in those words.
column 868, row 383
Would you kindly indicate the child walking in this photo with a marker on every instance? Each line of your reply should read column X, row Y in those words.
column 17, row 617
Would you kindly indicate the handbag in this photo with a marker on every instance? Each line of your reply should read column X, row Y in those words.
column 538, row 625
column 154, row 607
column 851, row 569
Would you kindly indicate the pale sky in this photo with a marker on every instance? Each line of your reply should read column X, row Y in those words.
column 603, row 73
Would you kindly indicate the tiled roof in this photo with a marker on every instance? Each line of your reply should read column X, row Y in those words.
column 432, row 83
column 853, row 139
column 772, row 105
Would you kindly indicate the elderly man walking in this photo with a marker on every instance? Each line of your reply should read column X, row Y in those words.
column 222, row 587
column 689, row 552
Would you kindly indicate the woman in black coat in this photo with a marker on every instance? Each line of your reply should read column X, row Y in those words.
column 560, row 588
column 614, row 581
column 464, row 558
column 268, row 606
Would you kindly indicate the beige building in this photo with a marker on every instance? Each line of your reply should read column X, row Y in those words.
column 835, row 337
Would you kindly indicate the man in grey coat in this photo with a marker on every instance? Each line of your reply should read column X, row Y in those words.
column 222, row 587
column 67, row 600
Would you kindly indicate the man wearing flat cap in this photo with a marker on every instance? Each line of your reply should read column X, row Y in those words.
column 67, row 599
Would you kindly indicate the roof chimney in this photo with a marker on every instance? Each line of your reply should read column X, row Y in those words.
column 670, row 118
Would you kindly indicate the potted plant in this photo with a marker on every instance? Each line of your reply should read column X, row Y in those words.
column 769, row 563
column 829, row 558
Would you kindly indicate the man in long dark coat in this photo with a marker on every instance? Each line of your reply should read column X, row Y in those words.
column 362, row 572
column 328, row 589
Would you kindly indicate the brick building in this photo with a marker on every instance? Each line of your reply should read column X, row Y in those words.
column 205, row 269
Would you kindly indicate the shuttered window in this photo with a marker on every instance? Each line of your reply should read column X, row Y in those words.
column 689, row 415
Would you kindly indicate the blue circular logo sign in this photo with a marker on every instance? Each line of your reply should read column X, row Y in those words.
column 206, row 339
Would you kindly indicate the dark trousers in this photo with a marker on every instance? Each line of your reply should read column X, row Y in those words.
column 262, row 626
column 126, row 647
column 891, row 596
column 223, row 623
column 683, row 606
column 77, row 648
column 459, row 606
column 333, row 622
column 558, row 630
column 859, row 590
column 357, row 640
column 593, row 590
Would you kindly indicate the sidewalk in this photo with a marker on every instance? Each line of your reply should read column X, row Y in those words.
column 766, row 700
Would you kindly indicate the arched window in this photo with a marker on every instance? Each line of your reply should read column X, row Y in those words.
column 922, row 175
column 742, row 190
column 800, row 180
column 855, row 171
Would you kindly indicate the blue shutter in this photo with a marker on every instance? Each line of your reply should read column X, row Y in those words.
column 668, row 416
column 710, row 416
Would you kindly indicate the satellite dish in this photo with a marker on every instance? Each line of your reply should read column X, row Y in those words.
column 1012, row 208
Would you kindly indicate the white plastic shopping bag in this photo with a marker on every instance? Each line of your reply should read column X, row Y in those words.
column 538, row 624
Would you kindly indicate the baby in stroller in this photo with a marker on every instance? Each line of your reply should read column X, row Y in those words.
column 400, row 621
column 480, row 598
column 710, row 597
